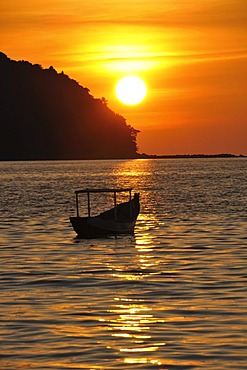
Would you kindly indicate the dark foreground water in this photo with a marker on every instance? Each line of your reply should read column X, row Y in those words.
column 173, row 296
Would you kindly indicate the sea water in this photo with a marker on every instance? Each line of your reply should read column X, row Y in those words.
column 172, row 296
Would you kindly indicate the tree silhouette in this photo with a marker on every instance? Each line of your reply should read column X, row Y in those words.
column 47, row 115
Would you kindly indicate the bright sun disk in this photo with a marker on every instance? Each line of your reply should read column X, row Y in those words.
column 131, row 90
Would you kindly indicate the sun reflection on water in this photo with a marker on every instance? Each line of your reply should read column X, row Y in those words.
column 130, row 327
column 133, row 321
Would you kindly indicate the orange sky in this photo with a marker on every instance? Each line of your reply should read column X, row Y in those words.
column 191, row 53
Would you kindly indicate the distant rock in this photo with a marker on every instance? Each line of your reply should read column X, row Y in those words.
column 47, row 115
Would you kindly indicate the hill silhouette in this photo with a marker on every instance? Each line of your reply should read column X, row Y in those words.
column 47, row 115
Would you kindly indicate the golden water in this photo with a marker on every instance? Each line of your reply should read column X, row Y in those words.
column 173, row 296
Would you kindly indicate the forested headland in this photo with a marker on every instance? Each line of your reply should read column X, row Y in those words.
column 47, row 115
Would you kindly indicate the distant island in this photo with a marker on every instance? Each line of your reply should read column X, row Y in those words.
column 47, row 115
column 178, row 156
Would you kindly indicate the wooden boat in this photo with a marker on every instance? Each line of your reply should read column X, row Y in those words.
column 118, row 220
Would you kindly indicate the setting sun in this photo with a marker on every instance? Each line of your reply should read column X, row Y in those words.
column 131, row 90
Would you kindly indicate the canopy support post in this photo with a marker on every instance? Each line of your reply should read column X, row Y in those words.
column 115, row 206
column 130, row 204
column 77, row 204
column 88, row 204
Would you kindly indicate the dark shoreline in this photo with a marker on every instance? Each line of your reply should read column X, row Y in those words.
column 138, row 156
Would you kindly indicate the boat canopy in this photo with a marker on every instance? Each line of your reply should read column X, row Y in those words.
column 106, row 190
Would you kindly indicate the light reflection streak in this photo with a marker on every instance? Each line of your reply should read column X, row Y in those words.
column 132, row 320
column 142, row 361
column 130, row 325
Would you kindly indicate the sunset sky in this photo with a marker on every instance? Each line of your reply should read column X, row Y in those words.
column 192, row 54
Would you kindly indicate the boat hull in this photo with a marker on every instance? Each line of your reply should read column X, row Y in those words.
column 89, row 227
